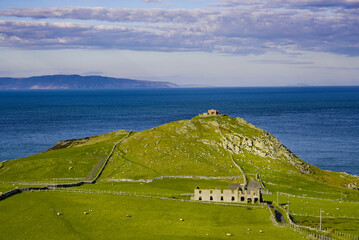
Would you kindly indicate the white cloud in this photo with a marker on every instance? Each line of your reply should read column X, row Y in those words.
column 152, row 1
column 255, row 28
column 289, row 3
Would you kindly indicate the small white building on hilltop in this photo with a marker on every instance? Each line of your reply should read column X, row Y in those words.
column 211, row 112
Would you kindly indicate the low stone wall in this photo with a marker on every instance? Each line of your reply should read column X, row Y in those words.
column 109, row 156
column 33, row 189
column 239, row 167
column 20, row 190
column 67, row 185
column 9, row 194
column 168, row 177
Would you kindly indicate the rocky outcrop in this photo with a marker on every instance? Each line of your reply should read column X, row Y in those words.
column 352, row 186
column 263, row 145
column 66, row 143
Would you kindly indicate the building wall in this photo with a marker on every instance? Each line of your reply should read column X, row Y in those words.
column 227, row 195
column 212, row 112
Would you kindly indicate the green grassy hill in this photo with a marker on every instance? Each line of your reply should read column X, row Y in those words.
column 165, row 163
column 197, row 147
column 68, row 161
column 201, row 146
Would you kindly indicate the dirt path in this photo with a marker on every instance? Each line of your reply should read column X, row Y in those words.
column 95, row 169
column 278, row 215
column 231, row 154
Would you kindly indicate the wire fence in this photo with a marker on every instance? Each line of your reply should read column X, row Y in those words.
column 346, row 235
column 316, row 198
column 315, row 232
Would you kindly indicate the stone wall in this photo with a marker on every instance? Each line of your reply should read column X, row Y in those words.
column 20, row 190
column 9, row 194
column 67, row 185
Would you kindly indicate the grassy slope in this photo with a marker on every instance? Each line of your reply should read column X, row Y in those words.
column 55, row 165
column 165, row 187
column 194, row 147
column 336, row 215
column 190, row 148
column 340, row 224
column 151, row 218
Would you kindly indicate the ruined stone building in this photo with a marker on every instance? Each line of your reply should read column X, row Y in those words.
column 210, row 112
column 235, row 193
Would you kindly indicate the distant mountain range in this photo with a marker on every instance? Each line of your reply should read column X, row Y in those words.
column 78, row 82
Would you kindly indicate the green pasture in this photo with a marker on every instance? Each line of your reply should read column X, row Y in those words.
column 164, row 187
column 123, row 217
column 5, row 187
column 342, row 225
column 339, row 216
column 282, row 178
column 182, row 148
column 308, row 187
column 190, row 147
column 311, row 207
column 70, row 164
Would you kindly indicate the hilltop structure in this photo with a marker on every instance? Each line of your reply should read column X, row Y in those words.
column 234, row 193
column 211, row 112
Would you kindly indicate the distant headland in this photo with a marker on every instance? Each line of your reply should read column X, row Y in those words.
column 78, row 82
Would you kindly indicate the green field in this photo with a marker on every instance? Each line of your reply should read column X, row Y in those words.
column 173, row 149
column 165, row 187
column 186, row 151
column 150, row 218
column 333, row 224
column 69, row 164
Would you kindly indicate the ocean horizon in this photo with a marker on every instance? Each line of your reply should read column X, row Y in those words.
column 318, row 124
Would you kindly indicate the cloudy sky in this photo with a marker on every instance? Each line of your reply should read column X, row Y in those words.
column 189, row 42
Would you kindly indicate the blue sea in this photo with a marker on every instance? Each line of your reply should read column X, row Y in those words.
column 319, row 124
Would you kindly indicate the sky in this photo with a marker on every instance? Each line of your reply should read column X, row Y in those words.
column 188, row 42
